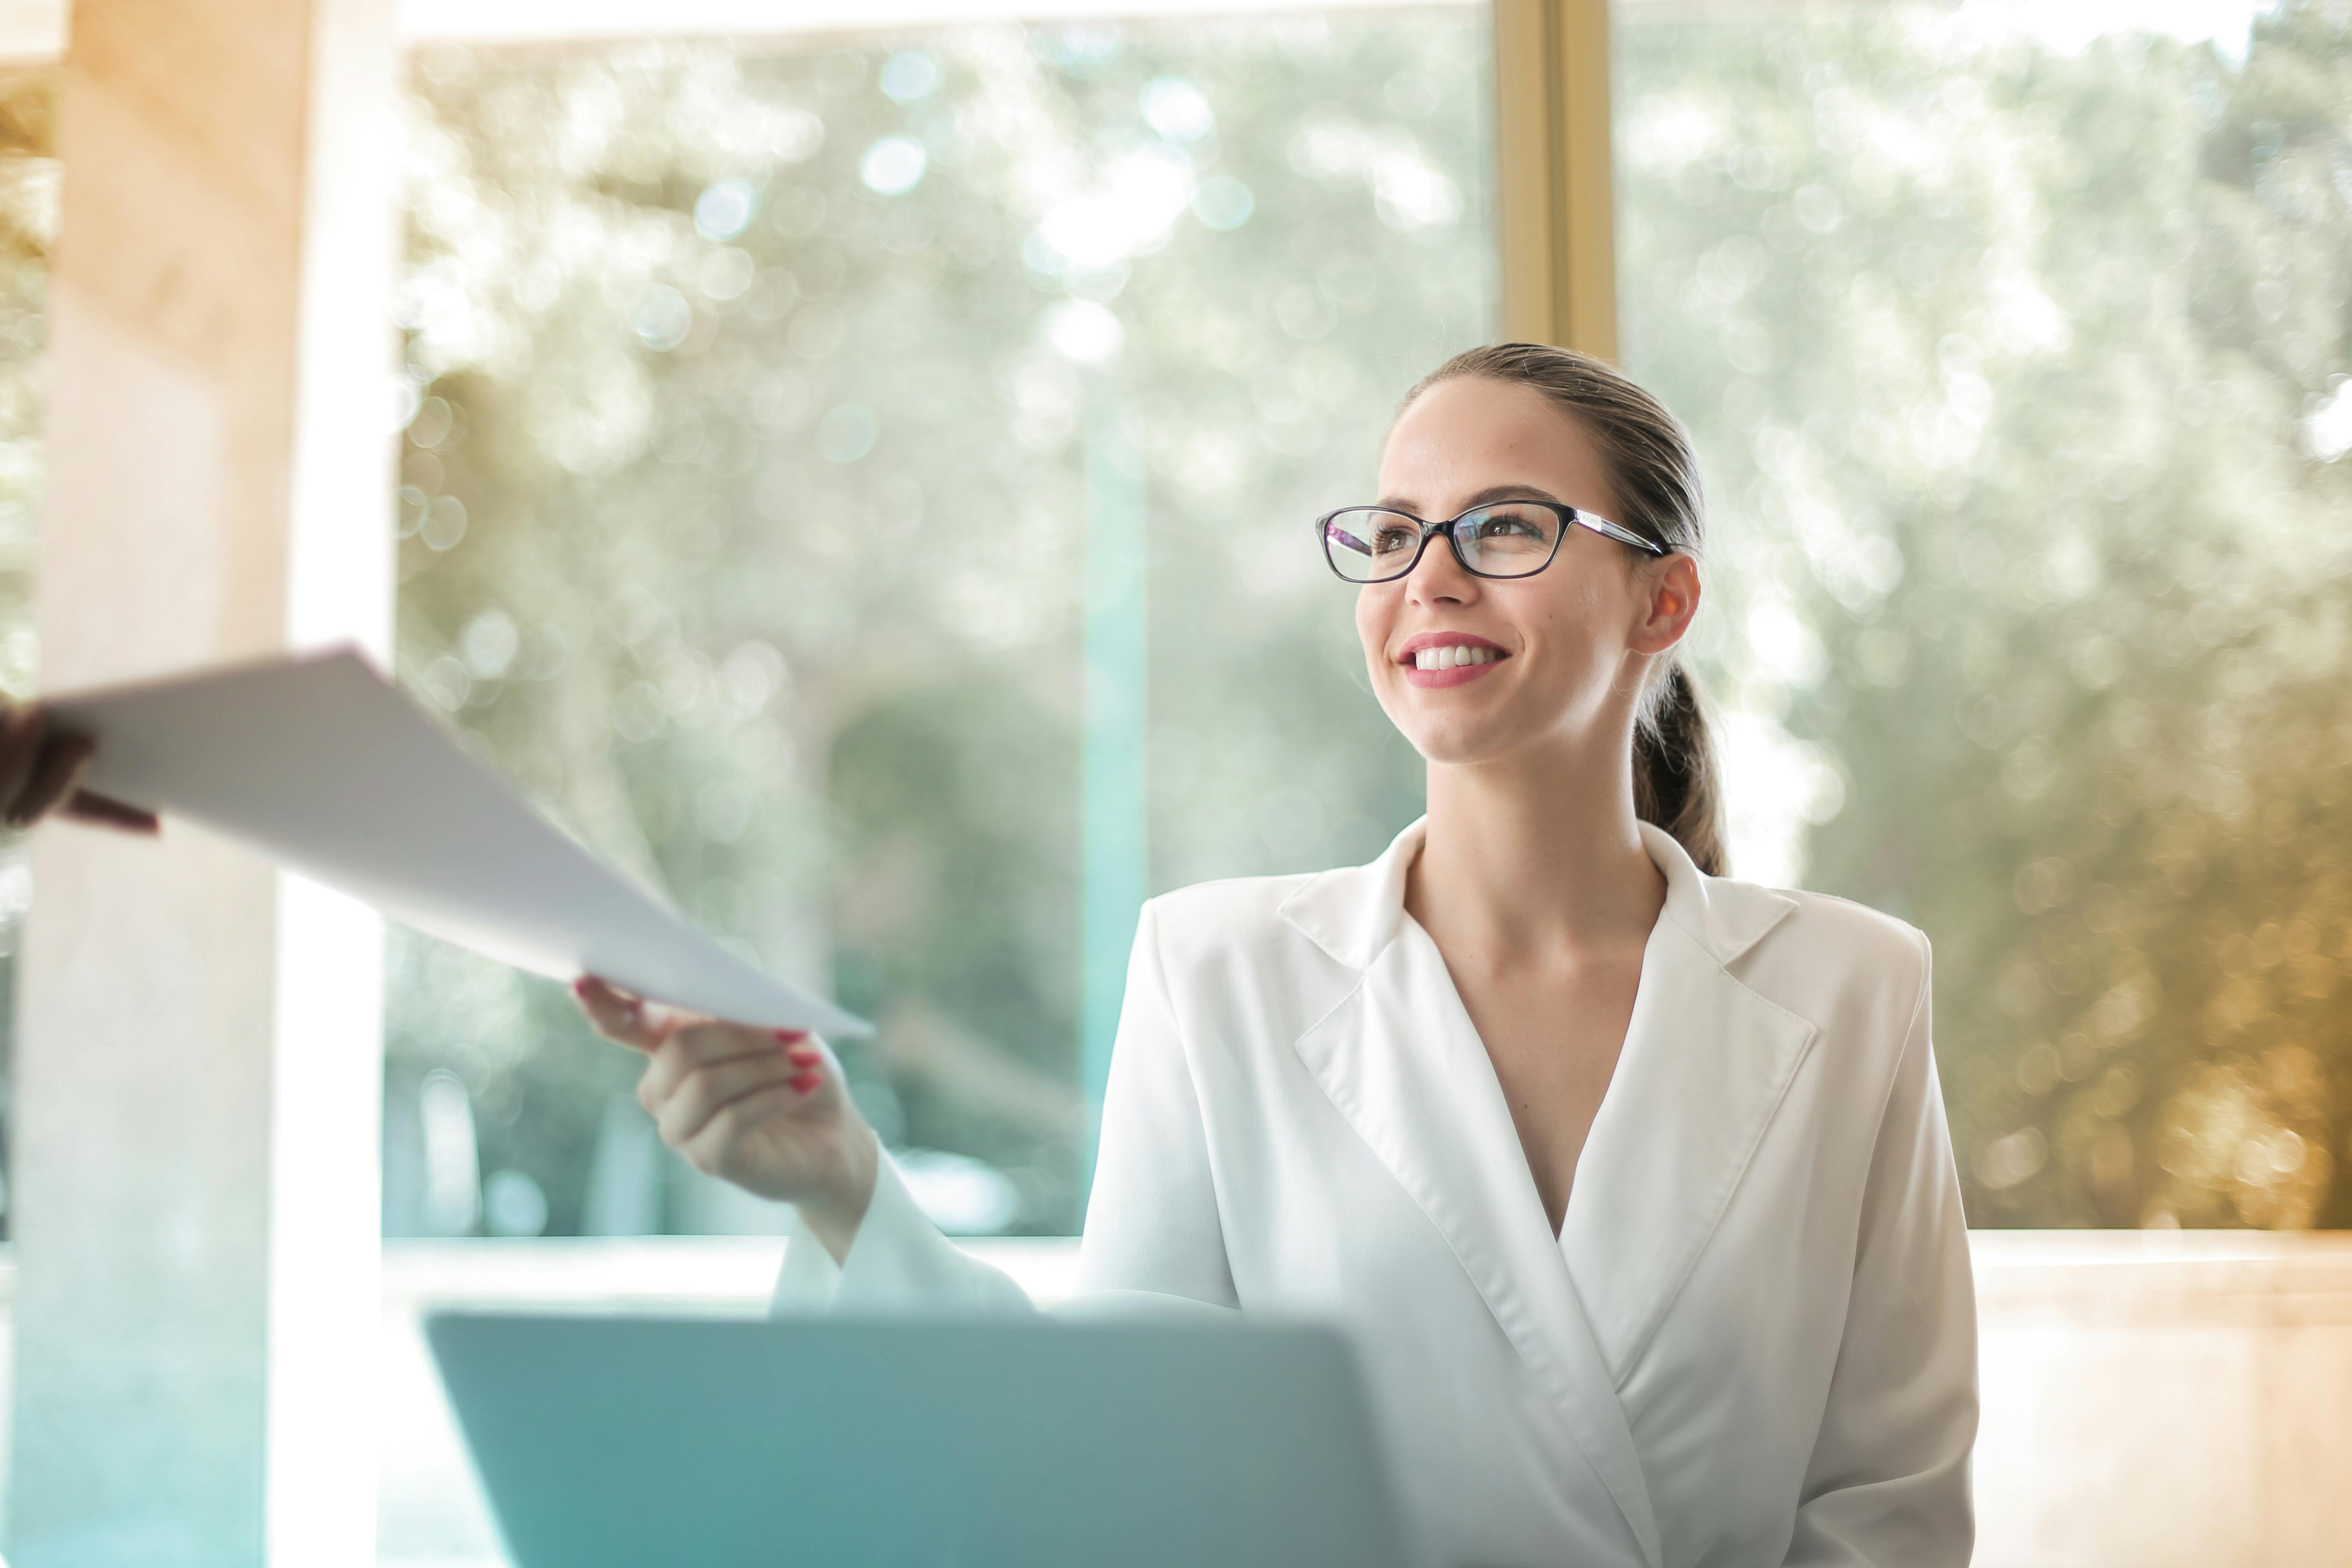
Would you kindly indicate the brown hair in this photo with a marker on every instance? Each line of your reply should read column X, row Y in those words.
column 1654, row 477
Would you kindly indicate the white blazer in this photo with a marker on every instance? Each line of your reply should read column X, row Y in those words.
column 1753, row 1341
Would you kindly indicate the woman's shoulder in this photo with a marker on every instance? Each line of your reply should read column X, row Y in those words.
column 1833, row 961
column 1231, row 911
column 1868, row 934
column 1235, row 964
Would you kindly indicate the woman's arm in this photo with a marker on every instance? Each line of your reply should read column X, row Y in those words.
column 897, row 1260
column 770, row 1112
column 1151, row 1220
column 1152, row 1242
column 1888, row 1482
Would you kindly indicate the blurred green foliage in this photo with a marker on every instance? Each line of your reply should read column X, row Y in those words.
column 744, row 511
column 743, row 502
column 2021, row 375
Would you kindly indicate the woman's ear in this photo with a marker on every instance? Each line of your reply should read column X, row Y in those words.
column 1672, row 582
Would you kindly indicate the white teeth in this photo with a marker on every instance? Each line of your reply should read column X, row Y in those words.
column 1452, row 656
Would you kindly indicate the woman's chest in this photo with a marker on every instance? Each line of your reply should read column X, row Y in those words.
column 1553, row 1033
column 1375, row 1167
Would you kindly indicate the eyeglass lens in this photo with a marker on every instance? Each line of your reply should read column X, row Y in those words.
column 1367, row 545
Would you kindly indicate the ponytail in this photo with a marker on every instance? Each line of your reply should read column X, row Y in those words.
column 1677, row 783
column 1653, row 480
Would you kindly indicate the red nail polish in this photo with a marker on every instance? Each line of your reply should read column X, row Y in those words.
column 805, row 1083
column 791, row 1034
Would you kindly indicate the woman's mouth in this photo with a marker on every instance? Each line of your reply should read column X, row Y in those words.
column 1449, row 663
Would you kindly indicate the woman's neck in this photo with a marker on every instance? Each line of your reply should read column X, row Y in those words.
column 1529, row 855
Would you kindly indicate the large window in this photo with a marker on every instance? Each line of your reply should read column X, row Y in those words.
column 865, row 491
column 2015, row 341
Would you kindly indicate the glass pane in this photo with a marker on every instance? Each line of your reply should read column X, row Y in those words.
column 868, row 493
column 2014, row 341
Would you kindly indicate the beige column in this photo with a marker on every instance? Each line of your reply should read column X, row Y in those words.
column 1554, row 190
column 199, row 1045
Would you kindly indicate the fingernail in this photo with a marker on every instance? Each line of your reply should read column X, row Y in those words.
column 580, row 986
column 805, row 1083
column 791, row 1034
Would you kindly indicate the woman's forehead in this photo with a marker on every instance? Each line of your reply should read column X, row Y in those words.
column 1466, row 436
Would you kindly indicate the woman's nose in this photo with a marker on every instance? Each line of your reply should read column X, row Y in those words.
column 1437, row 576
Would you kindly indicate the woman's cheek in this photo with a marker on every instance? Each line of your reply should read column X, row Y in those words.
column 1374, row 612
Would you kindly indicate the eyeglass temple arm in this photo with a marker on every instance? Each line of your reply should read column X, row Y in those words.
column 1608, row 529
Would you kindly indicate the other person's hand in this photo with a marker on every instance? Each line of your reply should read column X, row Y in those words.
column 764, row 1109
column 40, row 770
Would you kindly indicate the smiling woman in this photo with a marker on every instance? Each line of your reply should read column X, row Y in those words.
column 1629, row 457
column 1630, row 1180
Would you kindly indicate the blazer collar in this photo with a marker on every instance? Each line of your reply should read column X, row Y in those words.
column 1355, row 912
column 1705, row 1064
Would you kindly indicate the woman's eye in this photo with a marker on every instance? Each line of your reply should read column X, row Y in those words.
column 1389, row 541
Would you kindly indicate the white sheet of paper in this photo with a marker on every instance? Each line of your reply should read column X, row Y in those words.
column 319, row 765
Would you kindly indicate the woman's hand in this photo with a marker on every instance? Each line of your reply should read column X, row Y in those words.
column 764, row 1109
column 39, row 768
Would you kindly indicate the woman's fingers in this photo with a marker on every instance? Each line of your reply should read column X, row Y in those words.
column 618, row 1015
column 689, row 1109
column 86, row 806
column 59, row 765
column 716, row 1149
column 699, row 1045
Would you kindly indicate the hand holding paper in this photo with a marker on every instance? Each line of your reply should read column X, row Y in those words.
column 40, row 772
column 319, row 765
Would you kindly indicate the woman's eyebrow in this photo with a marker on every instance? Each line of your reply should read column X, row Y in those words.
column 1510, row 492
column 1490, row 494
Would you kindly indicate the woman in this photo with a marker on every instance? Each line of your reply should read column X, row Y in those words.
column 1632, row 1181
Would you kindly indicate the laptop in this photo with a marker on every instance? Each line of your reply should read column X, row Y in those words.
column 631, row 1442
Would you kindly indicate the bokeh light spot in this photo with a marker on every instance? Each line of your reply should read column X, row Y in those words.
column 724, row 210
column 893, row 166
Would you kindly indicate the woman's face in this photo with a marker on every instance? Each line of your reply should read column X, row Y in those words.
column 1569, row 645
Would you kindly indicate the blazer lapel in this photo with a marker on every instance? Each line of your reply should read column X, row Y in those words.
column 1402, row 1061
column 1705, row 1064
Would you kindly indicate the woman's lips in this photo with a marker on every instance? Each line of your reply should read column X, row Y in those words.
column 1460, row 675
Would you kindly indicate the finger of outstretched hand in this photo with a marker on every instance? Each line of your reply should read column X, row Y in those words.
column 61, row 767
column 698, row 1045
column 716, row 1150
column 618, row 1015
column 708, row 1090
column 84, row 805
column 20, row 750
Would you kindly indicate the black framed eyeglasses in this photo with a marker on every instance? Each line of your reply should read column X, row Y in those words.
column 1501, row 539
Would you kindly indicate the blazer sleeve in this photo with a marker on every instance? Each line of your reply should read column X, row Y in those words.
column 1152, row 1245
column 899, row 1262
column 1887, row 1484
column 1152, row 1229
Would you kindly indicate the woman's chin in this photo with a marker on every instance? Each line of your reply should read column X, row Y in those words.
column 1456, row 741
